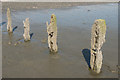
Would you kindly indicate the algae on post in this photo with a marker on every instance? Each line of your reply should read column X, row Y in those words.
column 97, row 39
column 52, row 34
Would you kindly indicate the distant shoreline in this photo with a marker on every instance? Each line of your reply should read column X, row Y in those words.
column 44, row 5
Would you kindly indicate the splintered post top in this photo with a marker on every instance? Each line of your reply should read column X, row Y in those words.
column 8, row 12
column 102, row 25
column 53, row 20
column 8, row 9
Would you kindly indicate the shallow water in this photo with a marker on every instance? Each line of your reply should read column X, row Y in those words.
column 32, row 59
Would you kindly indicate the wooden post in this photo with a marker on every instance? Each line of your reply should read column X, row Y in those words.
column 52, row 34
column 26, row 34
column 97, row 39
column 9, row 23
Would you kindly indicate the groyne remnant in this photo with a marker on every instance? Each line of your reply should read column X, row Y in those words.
column 9, row 22
column 97, row 39
column 52, row 34
column 26, row 34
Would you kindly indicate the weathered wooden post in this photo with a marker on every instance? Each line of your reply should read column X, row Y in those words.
column 9, row 23
column 52, row 34
column 97, row 39
column 26, row 34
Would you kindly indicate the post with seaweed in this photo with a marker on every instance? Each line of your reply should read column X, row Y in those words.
column 9, row 23
column 97, row 39
column 52, row 34
column 26, row 34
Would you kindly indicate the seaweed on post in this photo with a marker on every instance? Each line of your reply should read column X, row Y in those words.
column 52, row 34
column 97, row 39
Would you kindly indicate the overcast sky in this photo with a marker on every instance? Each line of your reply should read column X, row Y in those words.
column 62, row 0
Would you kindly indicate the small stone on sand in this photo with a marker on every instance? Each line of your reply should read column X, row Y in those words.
column 44, row 40
column 9, row 43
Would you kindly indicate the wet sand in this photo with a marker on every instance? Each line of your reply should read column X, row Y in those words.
column 32, row 59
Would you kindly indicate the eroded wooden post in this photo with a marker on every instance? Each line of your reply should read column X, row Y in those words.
column 26, row 34
column 9, row 23
column 97, row 39
column 52, row 34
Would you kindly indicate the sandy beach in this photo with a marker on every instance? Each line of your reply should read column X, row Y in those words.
column 74, row 20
